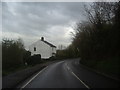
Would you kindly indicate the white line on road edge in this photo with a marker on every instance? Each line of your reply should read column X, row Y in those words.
column 61, row 62
column 80, row 80
column 78, row 77
column 32, row 78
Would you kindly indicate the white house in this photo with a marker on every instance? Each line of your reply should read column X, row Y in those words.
column 44, row 48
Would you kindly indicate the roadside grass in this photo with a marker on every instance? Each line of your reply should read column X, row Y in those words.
column 21, row 67
column 13, row 70
column 110, row 66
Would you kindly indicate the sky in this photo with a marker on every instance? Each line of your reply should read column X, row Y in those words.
column 32, row 20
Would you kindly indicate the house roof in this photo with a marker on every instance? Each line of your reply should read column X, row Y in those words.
column 48, row 43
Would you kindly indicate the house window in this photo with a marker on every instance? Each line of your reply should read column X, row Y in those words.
column 34, row 48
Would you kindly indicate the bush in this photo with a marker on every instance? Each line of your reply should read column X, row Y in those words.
column 33, row 60
column 12, row 53
column 26, row 55
column 52, row 58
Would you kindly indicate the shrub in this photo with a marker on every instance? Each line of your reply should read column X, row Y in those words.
column 12, row 53
column 33, row 60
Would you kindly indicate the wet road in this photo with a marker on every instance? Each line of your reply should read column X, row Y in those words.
column 68, row 74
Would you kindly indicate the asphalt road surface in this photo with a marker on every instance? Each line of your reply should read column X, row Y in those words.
column 68, row 74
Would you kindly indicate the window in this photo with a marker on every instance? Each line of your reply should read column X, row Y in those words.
column 34, row 48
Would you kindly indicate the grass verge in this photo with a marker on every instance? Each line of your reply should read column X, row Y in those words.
column 110, row 66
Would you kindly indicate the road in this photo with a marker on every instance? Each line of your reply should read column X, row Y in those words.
column 68, row 74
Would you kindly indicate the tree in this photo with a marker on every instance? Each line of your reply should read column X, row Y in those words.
column 12, row 53
column 96, row 37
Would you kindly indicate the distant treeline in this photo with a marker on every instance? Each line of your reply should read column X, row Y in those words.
column 96, row 40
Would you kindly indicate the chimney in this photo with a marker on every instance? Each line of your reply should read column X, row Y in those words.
column 42, row 38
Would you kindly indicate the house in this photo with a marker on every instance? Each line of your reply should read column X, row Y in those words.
column 44, row 48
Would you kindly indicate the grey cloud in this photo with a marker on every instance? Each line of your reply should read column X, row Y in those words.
column 39, row 19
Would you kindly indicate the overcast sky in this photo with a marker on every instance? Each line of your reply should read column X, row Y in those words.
column 30, row 21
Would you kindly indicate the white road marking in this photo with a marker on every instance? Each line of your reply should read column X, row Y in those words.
column 77, row 77
column 46, row 67
column 80, row 80
column 67, row 66
column 61, row 62
column 32, row 78
column 35, row 77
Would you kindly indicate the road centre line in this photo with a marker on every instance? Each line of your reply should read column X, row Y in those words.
column 67, row 66
column 33, row 78
column 46, row 67
column 77, row 77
